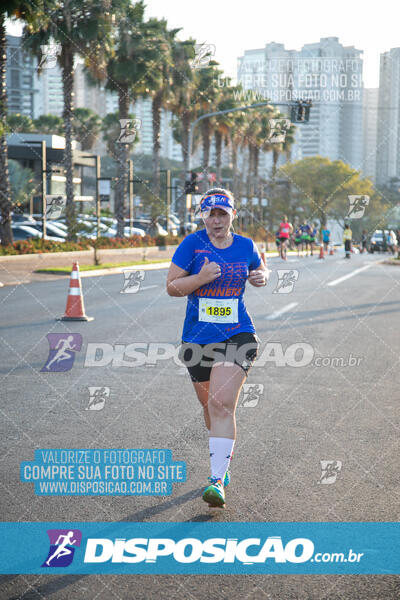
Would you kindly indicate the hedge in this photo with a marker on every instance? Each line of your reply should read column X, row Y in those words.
column 38, row 246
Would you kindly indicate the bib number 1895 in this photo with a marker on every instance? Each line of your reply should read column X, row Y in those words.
column 218, row 311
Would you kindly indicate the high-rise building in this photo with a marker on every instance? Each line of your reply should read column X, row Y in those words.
column 370, row 123
column 22, row 88
column 388, row 137
column 326, row 72
column 169, row 147
column 51, row 93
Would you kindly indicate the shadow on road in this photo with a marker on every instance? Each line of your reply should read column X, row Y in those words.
column 59, row 583
column 311, row 317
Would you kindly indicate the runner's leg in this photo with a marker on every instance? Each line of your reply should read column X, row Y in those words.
column 202, row 388
column 225, row 385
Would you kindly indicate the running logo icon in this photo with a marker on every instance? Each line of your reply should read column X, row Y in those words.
column 48, row 60
column 55, row 206
column 357, row 206
column 97, row 397
column 129, row 129
column 62, row 351
column 132, row 281
column 286, row 280
column 278, row 130
column 330, row 470
column 251, row 394
column 62, row 547
column 203, row 54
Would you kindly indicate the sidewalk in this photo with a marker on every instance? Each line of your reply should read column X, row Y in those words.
column 18, row 269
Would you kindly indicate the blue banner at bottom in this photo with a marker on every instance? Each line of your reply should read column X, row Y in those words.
column 200, row 548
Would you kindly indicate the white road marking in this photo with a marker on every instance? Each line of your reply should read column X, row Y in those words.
column 355, row 272
column 281, row 311
column 147, row 287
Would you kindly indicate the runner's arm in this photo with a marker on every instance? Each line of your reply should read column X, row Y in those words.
column 259, row 277
column 180, row 283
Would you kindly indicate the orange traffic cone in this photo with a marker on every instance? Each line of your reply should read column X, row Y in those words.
column 262, row 252
column 331, row 251
column 75, row 309
column 321, row 252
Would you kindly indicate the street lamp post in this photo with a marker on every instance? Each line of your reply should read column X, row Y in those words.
column 168, row 194
column 97, row 196
column 43, row 180
column 130, row 188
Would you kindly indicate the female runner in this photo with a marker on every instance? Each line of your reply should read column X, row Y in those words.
column 219, row 343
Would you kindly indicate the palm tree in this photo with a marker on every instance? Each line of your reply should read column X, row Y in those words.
column 160, row 81
column 223, row 125
column 20, row 123
column 135, row 51
column 49, row 124
column 236, row 135
column 79, row 28
column 252, row 131
column 30, row 13
column 209, row 94
column 276, row 149
column 184, row 105
column 86, row 127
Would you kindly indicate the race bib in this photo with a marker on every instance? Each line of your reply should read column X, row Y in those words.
column 218, row 311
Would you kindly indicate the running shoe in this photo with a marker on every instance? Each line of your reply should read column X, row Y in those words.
column 214, row 494
column 227, row 479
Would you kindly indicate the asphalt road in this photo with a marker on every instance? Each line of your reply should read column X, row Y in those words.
column 305, row 414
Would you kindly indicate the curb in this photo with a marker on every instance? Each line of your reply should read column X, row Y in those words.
column 114, row 270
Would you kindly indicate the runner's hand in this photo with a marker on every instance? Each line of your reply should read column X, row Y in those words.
column 209, row 271
column 257, row 278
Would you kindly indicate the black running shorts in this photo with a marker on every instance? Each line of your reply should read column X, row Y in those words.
column 241, row 349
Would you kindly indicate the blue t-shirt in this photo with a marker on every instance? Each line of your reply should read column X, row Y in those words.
column 326, row 233
column 235, row 262
column 305, row 229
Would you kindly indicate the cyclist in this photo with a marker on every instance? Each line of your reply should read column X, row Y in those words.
column 219, row 342
column 285, row 230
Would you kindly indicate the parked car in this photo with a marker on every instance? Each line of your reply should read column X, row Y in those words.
column 51, row 229
column 377, row 242
column 22, row 218
column 190, row 227
column 173, row 228
column 26, row 232
column 148, row 226
column 88, row 229
column 108, row 227
column 112, row 232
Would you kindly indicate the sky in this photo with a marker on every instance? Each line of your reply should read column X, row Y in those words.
column 234, row 26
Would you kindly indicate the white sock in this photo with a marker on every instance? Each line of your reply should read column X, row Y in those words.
column 220, row 455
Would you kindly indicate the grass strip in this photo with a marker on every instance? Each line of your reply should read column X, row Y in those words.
column 67, row 270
